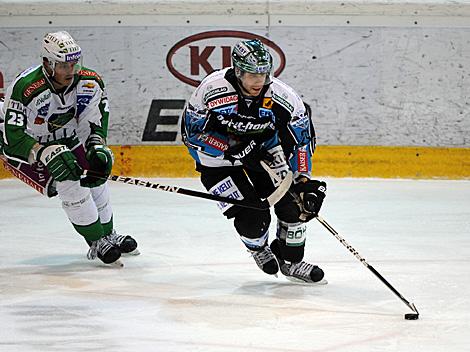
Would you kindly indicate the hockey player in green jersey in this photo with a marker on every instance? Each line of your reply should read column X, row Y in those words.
column 55, row 122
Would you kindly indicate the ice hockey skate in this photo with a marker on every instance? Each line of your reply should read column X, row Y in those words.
column 265, row 260
column 126, row 244
column 105, row 250
column 302, row 271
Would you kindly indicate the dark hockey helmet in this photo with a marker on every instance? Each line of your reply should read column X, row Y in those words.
column 253, row 57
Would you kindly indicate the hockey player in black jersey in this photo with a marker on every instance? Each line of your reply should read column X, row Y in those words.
column 236, row 118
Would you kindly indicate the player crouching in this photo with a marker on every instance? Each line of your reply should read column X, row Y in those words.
column 54, row 121
column 237, row 117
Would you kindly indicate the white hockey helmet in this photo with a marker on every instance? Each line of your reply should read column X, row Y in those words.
column 60, row 47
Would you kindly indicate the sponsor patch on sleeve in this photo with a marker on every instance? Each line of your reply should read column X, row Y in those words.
column 34, row 86
column 302, row 161
column 215, row 143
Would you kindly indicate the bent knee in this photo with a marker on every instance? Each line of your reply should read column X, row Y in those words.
column 287, row 212
column 252, row 223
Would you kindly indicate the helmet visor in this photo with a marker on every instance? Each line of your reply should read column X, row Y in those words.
column 70, row 67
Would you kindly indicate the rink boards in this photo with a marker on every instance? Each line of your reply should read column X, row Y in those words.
column 336, row 161
column 388, row 82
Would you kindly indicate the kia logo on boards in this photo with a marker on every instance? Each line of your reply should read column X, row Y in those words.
column 194, row 57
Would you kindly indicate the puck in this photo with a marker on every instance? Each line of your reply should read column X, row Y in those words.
column 411, row 316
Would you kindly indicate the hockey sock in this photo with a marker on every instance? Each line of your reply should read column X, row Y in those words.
column 108, row 227
column 91, row 232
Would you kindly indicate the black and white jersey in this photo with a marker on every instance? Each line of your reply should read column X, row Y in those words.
column 220, row 92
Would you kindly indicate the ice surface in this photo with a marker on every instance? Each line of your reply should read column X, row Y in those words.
column 195, row 288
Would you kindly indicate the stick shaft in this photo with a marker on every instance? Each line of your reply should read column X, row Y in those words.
column 259, row 205
column 189, row 192
column 363, row 261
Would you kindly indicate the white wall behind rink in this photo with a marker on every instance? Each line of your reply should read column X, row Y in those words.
column 387, row 73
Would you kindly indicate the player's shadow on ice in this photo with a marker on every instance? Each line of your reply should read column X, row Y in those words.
column 63, row 263
column 281, row 289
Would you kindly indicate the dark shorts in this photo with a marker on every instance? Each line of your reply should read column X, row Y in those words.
column 252, row 185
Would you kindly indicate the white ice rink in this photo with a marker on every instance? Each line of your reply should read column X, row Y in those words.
column 195, row 288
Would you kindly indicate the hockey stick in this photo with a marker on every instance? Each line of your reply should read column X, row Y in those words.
column 262, row 204
column 410, row 316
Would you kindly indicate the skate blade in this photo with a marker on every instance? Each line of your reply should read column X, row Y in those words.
column 300, row 281
column 134, row 252
column 116, row 264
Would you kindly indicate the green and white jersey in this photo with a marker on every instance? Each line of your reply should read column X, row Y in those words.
column 34, row 112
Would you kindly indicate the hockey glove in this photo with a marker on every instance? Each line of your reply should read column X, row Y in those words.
column 249, row 153
column 60, row 162
column 101, row 159
column 94, row 139
column 309, row 197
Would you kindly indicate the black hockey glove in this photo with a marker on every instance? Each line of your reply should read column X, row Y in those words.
column 309, row 197
column 240, row 126
column 60, row 162
column 249, row 153
column 100, row 159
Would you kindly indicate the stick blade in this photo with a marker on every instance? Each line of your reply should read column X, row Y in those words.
column 281, row 190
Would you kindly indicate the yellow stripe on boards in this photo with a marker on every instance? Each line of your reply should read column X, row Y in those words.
column 335, row 161
column 153, row 161
column 392, row 162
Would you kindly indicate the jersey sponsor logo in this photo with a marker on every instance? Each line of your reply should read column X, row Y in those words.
column 227, row 110
column 300, row 121
column 226, row 188
column 43, row 110
column 214, row 142
column 283, row 102
column 214, row 92
column 88, row 85
column 16, row 105
column 267, row 103
column 41, row 98
column 39, row 120
column 222, row 101
column 265, row 113
column 249, row 124
column 212, row 49
column 89, row 73
column 302, row 161
column 34, row 86
column 83, row 99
